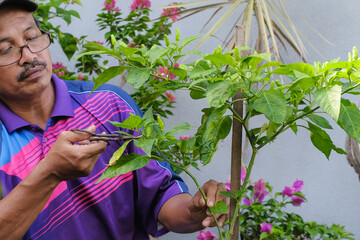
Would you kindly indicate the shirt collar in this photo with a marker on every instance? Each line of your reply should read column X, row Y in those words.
column 62, row 108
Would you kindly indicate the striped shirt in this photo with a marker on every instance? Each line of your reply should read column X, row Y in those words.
column 124, row 207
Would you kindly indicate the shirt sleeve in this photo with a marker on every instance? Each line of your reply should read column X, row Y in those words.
column 156, row 183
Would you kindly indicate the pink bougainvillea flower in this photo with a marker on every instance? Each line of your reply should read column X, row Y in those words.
column 265, row 227
column 247, row 201
column 130, row 44
column 206, row 235
column 288, row 191
column 165, row 73
column 297, row 201
column 184, row 137
column 260, row 191
column 141, row 4
column 298, row 185
column 173, row 13
column 227, row 186
column 110, row 5
column 242, row 177
column 81, row 77
column 58, row 65
column 98, row 42
column 170, row 96
column 60, row 74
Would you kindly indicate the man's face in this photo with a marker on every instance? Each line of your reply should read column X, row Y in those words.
column 31, row 75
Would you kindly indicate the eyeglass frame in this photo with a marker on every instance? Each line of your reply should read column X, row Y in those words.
column 21, row 48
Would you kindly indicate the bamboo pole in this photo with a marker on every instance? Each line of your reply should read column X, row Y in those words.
column 236, row 149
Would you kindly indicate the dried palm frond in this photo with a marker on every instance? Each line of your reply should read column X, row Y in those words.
column 273, row 23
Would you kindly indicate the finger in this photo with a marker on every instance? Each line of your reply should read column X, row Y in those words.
column 222, row 219
column 93, row 147
column 196, row 202
column 78, row 136
column 211, row 191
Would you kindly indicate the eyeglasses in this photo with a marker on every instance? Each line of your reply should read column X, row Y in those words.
column 35, row 45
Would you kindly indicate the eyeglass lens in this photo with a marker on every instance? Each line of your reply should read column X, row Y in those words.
column 35, row 45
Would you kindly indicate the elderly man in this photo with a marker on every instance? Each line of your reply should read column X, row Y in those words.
column 48, row 173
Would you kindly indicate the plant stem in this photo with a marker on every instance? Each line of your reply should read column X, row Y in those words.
column 242, row 190
column 197, row 185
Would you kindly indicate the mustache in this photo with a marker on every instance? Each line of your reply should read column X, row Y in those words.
column 29, row 66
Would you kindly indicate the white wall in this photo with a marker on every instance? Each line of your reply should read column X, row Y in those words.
column 331, row 187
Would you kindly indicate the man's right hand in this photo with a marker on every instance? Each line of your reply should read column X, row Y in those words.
column 73, row 155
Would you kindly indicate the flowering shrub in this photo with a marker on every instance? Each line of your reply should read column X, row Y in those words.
column 266, row 216
column 62, row 72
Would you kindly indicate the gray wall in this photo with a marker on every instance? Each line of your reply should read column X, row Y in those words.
column 331, row 187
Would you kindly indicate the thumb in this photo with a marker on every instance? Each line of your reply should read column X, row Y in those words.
column 78, row 136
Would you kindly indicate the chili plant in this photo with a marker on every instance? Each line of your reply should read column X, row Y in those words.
column 309, row 94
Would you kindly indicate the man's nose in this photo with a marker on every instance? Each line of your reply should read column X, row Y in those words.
column 26, row 55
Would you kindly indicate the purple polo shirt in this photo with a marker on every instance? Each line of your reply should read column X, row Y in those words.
column 123, row 207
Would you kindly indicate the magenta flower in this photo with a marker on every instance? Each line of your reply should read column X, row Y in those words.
column 206, row 235
column 172, row 13
column 298, row 185
column 81, row 77
column 110, row 5
column 247, row 201
column 60, row 74
column 297, row 201
column 184, row 137
column 58, row 65
column 260, row 191
column 242, row 177
column 265, row 227
column 288, row 191
column 170, row 96
column 165, row 73
column 98, row 42
column 227, row 186
column 141, row 4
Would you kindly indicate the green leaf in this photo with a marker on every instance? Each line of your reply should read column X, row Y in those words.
column 225, row 126
column 199, row 71
column 178, row 128
column 132, row 122
column 108, row 74
column 329, row 100
column 188, row 40
column 145, row 144
column 125, row 164
column 349, row 119
column 320, row 121
column 227, row 194
column 197, row 93
column 272, row 103
column 321, row 140
column 220, row 208
column 208, row 132
column 263, row 235
column 118, row 153
column 161, row 123
column 220, row 60
column 138, row 76
column 148, row 118
column 304, row 83
column 156, row 52
column 303, row 68
column 218, row 93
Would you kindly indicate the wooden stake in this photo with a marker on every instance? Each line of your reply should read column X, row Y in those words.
column 236, row 149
